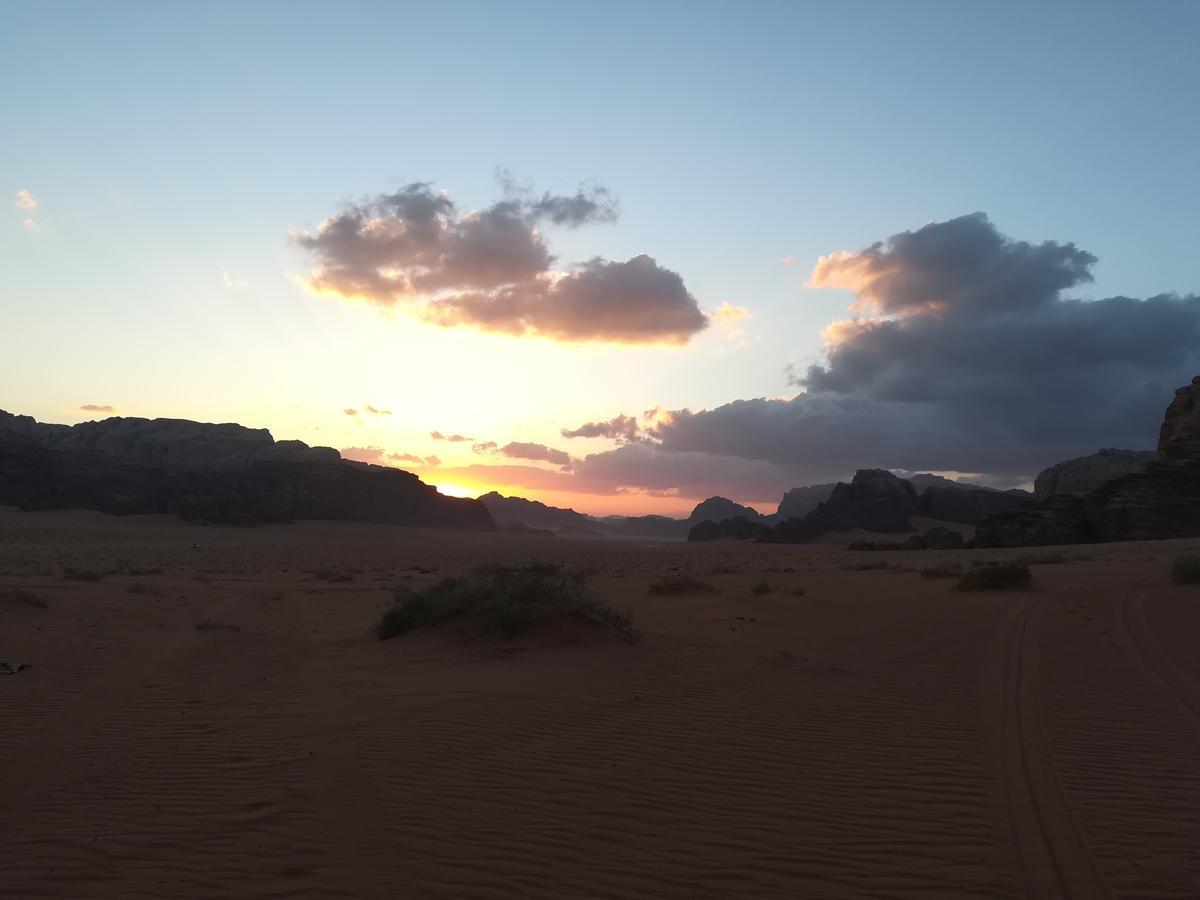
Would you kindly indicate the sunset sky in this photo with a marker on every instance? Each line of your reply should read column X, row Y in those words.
column 619, row 257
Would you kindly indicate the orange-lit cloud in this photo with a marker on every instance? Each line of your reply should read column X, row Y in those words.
column 376, row 411
column 23, row 199
column 98, row 407
column 526, row 450
column 452, row 438
column 491, row 269
column 350, row 411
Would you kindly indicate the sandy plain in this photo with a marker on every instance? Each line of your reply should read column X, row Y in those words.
column 213, row 718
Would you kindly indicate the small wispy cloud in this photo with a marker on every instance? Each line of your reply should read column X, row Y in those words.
column 25, row 200
column 232, row 283
column 375, row 411
column 789, row 260
column 350, row 412
column 31, row 225
column 453, row 438
column 98, row 407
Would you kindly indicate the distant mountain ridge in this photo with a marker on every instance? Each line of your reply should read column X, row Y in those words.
column 224, row 473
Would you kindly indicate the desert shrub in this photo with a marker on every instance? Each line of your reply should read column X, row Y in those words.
column 680, row 584
column 1185, row 570
column 996, row 577
column 140, row 587
column 760, row 589
column 534, row 568
column 142, row 571
column 507, row 601
column 25, row 598
column 942, row 570
column 82, row 575
column 724, row 570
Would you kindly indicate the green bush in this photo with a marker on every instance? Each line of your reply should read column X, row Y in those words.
column 1000, row 576
column 680, row 584
column 508, row 600
column 1186, row 570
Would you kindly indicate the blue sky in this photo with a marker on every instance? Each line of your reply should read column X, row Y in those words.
column 169, row 144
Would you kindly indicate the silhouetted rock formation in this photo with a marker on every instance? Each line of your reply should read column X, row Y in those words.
column 1161, row 501
column 874, row 500
column 800, row 501
column 661, row 527
column 738, row 527
column 533, row 513
column 1079, row 476
column 209, row 473
column 716, row 509
column 968, row 505
column 1179, row 437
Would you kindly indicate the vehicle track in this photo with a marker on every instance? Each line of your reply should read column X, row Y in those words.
column 1055, row 859
column 1178, row 685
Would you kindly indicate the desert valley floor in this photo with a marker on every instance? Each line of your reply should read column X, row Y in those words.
column 853, row 732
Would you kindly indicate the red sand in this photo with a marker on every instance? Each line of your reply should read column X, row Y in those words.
column 880, row 736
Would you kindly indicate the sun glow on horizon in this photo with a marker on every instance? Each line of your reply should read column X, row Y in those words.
column 456, row 490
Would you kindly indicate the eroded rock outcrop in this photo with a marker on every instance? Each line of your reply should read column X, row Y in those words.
column 1160, row 501
column 1086, row 473
column 209, row 473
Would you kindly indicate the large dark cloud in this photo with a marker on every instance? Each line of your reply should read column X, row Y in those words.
column 967, row 355
column 491, row 269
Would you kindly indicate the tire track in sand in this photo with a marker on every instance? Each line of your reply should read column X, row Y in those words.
column 1157, row 663
column 1055, row 860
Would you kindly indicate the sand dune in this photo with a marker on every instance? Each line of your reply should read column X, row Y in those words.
column 877, row 736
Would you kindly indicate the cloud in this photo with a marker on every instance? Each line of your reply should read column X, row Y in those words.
column 727, row 312
column 23, row 199
column 966, row 356
column 789, row 260
column 378, row 456
column 31, row 225
column 377, row 412
column 620, row 428
column 524, row 450
column 350, row 412
column 483, row 447
column 98, row 407
column 453, row 438
column 233, row 284
column 491, row 269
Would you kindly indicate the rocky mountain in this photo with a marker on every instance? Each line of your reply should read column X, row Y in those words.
column 209, row 473
column 800, row 501
column 715, row 509
column 968, row 505
column 1160, row 501
column 534, row 514
column 1085, row 474
column 738, row 527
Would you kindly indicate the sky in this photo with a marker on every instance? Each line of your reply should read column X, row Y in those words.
column 633, row 255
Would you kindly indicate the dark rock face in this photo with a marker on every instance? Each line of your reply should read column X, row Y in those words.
column 738, row 528
column 716, row 509
column 875, row 500
column 968, row 505
column 1161, row 501
column 1085, row 474
column 1179, row 437
column 533, row 514
column 800, row 501
column 209, row 473
column 662, row 527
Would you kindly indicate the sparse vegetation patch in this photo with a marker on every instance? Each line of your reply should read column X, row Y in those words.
column 25, row 598
column 1186, row 570
column 943, row 570
column 507, row 600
